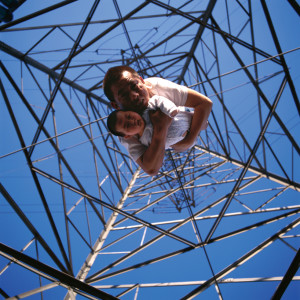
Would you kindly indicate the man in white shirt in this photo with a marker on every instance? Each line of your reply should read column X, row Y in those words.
column 127, row 90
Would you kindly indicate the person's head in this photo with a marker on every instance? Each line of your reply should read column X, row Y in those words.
column 126, row 89
column 125, row 123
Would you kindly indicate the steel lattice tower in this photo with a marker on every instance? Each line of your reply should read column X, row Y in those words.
column 80, row 219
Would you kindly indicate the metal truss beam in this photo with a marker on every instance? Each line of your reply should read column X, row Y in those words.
column 107, row 219
column 287, row 277
column 36, row 181
column 260, row 92
column 295, row 6
column 279, row 50
column 215, row 29
column 30, row 61
column 154, row 240
column 30, row 226
column 226, row 110
column 38, row 13
column 200, row 245
column 241, row 260
column 119, row 22
column 121, row 212
column 63, row 278
column 262, row 172
column 249, row 160
column 190, row 283
column 95, row 22
column 109, row 224
column 46, row 133
column 197, row 39
column 169, row 193
column 62, row 75
column 257, row 211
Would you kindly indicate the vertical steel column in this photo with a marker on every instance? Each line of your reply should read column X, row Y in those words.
column 108, row 226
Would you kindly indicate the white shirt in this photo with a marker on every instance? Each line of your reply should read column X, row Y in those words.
column 177, row 129
column 162, row 87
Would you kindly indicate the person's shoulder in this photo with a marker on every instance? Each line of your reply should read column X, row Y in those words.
column 160, row 84
column 164, row 83
column 156, row 80
column 152, row 79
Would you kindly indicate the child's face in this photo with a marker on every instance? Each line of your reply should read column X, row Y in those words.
column 130, row 93
column 129, row 123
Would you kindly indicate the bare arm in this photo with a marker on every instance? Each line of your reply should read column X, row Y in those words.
column 202, row 107
column 152, row 159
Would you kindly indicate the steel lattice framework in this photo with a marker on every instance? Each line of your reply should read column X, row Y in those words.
column 80, row 219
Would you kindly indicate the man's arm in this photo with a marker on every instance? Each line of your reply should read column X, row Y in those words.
column 152, row 159
column 202, row 107
column 165, row 105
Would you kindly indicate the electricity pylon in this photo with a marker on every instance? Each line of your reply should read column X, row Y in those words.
column 80, row 218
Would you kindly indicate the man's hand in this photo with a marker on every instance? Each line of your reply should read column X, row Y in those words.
column 187, row 142
column 159, row 120
column 182, row 145
column 202, row 107
column 152, row 159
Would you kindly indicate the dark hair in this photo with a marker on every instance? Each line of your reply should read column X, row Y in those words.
column 111, row 123
column 113, row 76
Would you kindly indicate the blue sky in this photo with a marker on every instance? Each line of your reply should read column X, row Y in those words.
column 240, row 98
